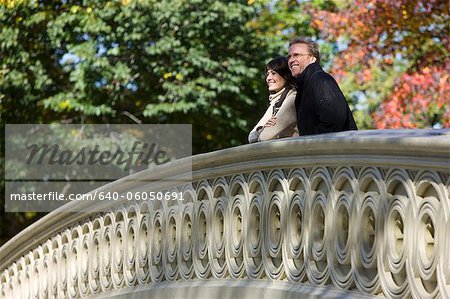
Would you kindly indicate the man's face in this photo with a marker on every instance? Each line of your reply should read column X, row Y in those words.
column 299, row 59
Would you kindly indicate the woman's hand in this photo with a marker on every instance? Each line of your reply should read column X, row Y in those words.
column 271, row 122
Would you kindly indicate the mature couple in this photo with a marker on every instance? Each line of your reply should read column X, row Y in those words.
column 304, row 100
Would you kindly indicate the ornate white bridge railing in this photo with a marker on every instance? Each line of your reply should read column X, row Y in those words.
column 350, row 213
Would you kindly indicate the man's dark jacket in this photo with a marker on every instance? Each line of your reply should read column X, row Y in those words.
column 321, row 106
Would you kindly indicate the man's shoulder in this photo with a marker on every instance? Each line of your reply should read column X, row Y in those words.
column 321, row 75
column 322, row 86
column 322, row 81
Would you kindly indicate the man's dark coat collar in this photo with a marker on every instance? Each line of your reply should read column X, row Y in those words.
column 307, row 73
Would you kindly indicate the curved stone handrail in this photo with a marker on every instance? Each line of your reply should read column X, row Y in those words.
column 355, row 213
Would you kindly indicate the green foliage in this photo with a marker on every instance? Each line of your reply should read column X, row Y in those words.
column 277, row 21
column 167, row 61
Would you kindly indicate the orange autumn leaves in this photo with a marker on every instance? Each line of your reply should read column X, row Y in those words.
column 408, row 38
column 418, row 97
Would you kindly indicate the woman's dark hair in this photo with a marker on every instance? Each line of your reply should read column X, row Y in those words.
column 280, row 65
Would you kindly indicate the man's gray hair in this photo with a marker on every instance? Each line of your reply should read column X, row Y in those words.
column 313, row 47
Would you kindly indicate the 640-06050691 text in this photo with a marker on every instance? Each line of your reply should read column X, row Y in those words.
column 98, row 195
column 141, row 195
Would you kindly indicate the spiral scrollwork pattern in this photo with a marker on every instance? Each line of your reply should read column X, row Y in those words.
column 371, row 230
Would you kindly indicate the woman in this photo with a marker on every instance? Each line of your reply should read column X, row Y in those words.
column 280, row 118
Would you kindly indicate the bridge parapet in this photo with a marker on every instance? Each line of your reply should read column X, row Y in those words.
column 353, row 213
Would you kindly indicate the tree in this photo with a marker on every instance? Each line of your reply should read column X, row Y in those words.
column 278, row 21
column 168, row 61
column 394, row 60
column 420, row 98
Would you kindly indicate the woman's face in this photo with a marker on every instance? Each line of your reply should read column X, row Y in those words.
column 274, row 81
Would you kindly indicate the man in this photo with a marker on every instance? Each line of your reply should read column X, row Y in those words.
column 321, row 106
